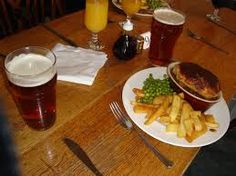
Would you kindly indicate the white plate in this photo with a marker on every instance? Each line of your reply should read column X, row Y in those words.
column 143, row 12
column 157, row 130
column 118, row 5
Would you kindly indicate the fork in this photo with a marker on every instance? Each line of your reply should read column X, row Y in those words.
column 123, row 119
column 204, row 40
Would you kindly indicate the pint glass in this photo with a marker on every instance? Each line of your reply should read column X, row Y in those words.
column 31, row 73
column 167, row 25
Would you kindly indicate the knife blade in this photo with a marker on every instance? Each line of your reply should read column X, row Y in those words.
column 81, row 154
column 221, row 25
column 213, row 46
column 204, row 40
column 65, row 39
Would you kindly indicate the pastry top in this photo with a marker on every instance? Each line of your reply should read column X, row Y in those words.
column 197, row 80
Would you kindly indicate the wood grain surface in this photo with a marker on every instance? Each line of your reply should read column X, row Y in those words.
column 83, row 113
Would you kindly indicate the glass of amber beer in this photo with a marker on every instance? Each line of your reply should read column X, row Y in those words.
column 31, row 73
column 167, row 25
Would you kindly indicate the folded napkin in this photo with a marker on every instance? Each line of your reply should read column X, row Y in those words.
column 78, row 65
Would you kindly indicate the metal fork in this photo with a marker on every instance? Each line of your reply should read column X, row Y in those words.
column 123, row 119
column 204, row 40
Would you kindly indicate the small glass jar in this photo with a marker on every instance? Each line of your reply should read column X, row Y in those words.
column 128, row 44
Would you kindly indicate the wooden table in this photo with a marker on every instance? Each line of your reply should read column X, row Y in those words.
column 83, row 113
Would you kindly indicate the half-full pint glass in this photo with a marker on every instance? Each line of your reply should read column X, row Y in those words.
column 31, row 73
column 167, row 25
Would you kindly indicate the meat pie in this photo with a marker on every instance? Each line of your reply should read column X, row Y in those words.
column 197, row 80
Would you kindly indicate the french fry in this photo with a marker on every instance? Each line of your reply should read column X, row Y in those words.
column 175, row 107
column 170, row 97
column 212, row 125
column 176, row 114
column 149, row 113
column 177, row 118
column 209, row 118
column 181, row 131
column 138, row 92
column 188, row 124
column 142, row 108
column 195, row 115
column 165, row 119
column 159, row 100
column 210, row 121
column 181, row 95
column 144, row 104
column 172, row 127
column 186, row 109
column 168, row 110
column 160, row 111
column 196, row 134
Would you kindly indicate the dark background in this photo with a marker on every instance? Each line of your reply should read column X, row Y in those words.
column 20, row 19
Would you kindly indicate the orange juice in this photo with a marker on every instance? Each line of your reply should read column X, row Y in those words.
column 96, row 15
column 131, row 7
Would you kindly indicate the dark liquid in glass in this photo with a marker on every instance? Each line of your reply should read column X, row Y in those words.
column 37, row 105
column 163, row 39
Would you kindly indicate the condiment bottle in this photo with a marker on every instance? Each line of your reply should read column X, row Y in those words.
column 125, row 47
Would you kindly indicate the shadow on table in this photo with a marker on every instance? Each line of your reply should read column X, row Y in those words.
column 217, row 159
column 8, row 155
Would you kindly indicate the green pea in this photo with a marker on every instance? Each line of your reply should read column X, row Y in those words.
column 154, row 87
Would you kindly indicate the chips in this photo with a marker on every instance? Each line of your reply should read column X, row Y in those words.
column 176, row 114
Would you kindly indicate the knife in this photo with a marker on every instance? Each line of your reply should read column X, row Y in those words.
column 221, row 25
column 65, row 39
column 80, row 153
column 204, row 40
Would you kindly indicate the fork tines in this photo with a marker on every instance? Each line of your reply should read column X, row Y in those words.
column 118, row 113
column 115, row 108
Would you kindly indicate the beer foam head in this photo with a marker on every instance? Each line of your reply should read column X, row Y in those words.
column 169, row 16
column 29, row 70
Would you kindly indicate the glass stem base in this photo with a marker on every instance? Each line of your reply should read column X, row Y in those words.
column 94, row 43
column 214, row 16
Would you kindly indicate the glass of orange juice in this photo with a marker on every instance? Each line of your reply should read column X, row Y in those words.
column 130, row 7
column 96, row 12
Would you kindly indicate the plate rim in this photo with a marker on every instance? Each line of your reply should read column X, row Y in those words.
column 164, row 69
column 114, row 2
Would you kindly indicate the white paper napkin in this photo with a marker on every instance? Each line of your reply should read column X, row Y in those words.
column 78, row 65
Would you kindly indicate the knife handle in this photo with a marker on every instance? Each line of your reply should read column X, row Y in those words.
column 161, row 157
column 213, row 46
column 221, row 25
column 81, row 154
column 65, row 39
column 97, row 173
